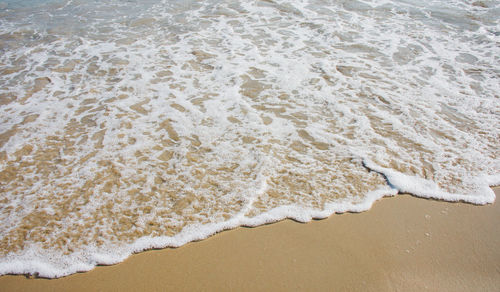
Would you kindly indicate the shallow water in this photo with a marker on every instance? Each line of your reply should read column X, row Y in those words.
column 128, row 125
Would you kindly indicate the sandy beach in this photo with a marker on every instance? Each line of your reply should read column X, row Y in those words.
column 132, row 125
column 402, row 244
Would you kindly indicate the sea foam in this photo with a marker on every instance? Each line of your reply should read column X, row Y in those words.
column 132, row 125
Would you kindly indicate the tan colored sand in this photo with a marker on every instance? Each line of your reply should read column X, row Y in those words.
column 401, row 244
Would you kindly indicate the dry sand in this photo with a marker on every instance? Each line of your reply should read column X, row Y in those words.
column 401, row 244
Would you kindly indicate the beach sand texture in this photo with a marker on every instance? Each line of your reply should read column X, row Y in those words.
column 401, row 244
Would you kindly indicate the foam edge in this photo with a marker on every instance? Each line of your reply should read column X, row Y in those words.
column 38, row 265
column 424, row 188
column 398, row 183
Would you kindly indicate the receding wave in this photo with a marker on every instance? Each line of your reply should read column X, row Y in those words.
column 130, row 125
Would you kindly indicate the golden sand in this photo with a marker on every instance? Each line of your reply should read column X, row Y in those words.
column 401, row 244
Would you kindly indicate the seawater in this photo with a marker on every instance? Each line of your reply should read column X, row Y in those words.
column 131, row 125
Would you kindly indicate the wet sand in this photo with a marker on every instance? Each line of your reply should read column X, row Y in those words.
column 401, row 244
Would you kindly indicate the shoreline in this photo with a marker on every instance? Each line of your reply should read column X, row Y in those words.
column 401, row 243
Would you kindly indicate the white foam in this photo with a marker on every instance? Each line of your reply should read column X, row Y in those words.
column 272, row 111
column 428, row 189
